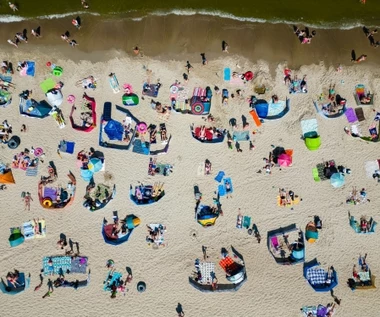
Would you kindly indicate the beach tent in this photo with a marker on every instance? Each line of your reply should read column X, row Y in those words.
column 205, row 216
column 131, row 222
column 7, row 177
column 16, row 238
column 34, row 109
column 272, row 110
column 296, row 249
column 5, row 98
column 318, row 278
column 23, row 283
column 262, row 108
column 337, row 180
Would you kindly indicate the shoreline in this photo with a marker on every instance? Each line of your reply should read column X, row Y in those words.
column 184, row 38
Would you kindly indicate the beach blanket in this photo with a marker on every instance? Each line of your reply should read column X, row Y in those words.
column 33, row 170
column 371, row 167
column 47, row 85
column 112, row 277
column 79, row 264
column 207, row 270
column 276, row 108
column 240, row 135
column 310, row 125
column 50, row 192
column 220, row 176
column 359, row 114
column 66, row 147
column 222, row 189
column 316, row 276
column 150, row 90
column 29, row 229
column 351, row 115
column 59, row 262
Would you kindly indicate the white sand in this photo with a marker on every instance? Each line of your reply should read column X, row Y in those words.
column 271, row 289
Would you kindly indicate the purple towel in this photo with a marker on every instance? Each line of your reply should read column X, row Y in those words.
column 351, row 115
column 51, row 193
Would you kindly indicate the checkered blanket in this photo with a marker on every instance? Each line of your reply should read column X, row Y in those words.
column 316, row 276
column 206, row 269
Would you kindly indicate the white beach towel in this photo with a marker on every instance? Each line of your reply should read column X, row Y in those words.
column 309, row 125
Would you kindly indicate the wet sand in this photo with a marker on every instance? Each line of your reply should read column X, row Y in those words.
column 185, row 37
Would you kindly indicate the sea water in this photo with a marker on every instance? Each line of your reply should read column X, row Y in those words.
column 316, row 13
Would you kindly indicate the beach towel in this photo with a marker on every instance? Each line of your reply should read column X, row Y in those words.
column 316, row 174
column 221, row 190
column 371, row 167
column 359, row 114
column 79, row 265
column 255, row 117
column 31, row 68
column 50, row 192
column 274, row 242
column 28, row 229
column 237, row 81
column 246, row 222
column 6, row 78
column 66, row 147
column 150, row 90
column 351, row 115
column 114, row 83
column 240, row 135
column 32, row 171
column 59, row 262
column 111, row 278
column 220, row 176
column 309, row 126
column 227, row 74
column 47, row 85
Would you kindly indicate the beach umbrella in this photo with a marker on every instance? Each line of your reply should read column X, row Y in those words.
column 248, row 76
column 95, row 165
column 86, row 174
column 337, row 180
column 284, row 160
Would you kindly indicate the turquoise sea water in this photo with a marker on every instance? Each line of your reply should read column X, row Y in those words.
column 318, row 13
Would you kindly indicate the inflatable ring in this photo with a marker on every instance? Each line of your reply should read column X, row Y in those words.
column 71, row 99
column 14, row 142
column 141, row 287
column 197, row 108
column 38, row 151
column 47, row 202
column 174, row 89
column 142, row 127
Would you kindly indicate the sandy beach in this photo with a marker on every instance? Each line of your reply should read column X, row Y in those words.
column 270, row 289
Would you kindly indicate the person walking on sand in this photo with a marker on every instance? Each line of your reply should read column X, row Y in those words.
column 188, row 66
column 225, row 46
column 36, row 32
column 13, row 6
column 76, row 23
column 27, row 198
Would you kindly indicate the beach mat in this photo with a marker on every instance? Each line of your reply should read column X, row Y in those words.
column 31, row 70
column 371, row 167
column 351, row 115
column 47, row 85
column 227, row 74
column 255, row 117
column 359, row 114
column 220, row 176
column 59, row 262
column 310, row 125
column 240, row 135
column 114, row 83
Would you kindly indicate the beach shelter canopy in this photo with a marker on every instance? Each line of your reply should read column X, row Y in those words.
column 114, row 130
column 16, row 238
column 131, row 222
column 337, row 180
column 23, row 283
column 34, row 109
column 7, row 177
column 92, row 105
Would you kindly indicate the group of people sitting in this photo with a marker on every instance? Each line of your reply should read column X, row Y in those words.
column 304, row 36
column 24, row 160
column 215, row 132
column 88, row 82
column 7, row 67
column 336, row 102
column 365, row 225
column 286, row 197
column 12, row 278
column 155, row 234
column 331, row 168
column 5, row 132
column 357, row 197
column 118, row 285
column 361, row 277
column 119, row 227
column 365, row 99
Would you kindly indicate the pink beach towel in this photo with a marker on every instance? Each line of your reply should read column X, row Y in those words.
column 351, row 115
column 274, row 242
column 236, row 80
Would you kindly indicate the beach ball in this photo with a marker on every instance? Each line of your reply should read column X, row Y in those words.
column 48, row 64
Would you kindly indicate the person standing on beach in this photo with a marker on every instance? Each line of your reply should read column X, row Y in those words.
column 188, row 66
column 204, row 60
column 13, row 6
column 36, row 32
column 76, row 23
column 225, row 46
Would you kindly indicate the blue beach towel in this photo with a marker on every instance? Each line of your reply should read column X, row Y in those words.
column 221, row 190
column 220, row 176
column 115, row 276
column 227, row 74
column 30, row 71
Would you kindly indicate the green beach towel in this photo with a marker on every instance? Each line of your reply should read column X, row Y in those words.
column 47, row 85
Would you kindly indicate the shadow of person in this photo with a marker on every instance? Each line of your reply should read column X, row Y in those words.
column 353, row 56
column 129, row 270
